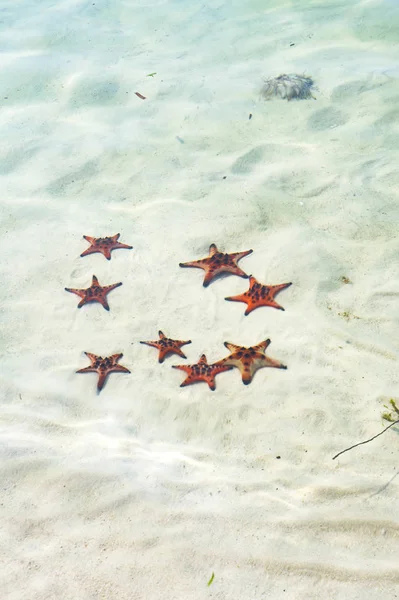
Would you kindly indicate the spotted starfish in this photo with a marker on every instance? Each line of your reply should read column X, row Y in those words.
column 103, row 366
column 201, row 371
column 167, row 346
column 95, row 293
column 259, row 295
column 249, row 360
column 104, row 245
column 217, row 262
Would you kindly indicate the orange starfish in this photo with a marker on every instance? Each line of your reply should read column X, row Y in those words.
column 259, row 295
column 217, row 262
column 95, row 293
column 201, row 371
column 104, row 245
column 249, row 360
column 167, row 346
column 103, row 366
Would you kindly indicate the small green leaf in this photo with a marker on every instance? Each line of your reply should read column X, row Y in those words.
column 387, row 417
column 211, row 579
column 393, row 404
column 151, row 74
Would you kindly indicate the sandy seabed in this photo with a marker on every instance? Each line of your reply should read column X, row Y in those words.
column 144, row 491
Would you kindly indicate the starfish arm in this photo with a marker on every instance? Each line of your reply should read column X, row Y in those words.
column 235, row 270
column 179, row 352
column 192, row 378
column 262, row 346
column 87, row 370
column 119, row 369
column 180, row 343
column 278, row 288
column 248, row 371
column 221, row 367
column 153, row 344
column 109, row 288
column 239, row 255
column 185, row 368
column 163, row 353
column 93, row 357
column 271, row 303
column 217, row 368
column 186, row 382
column 90, row 250
column 232, row 347
column 119, row 245
column 221, row 362
column 246, row 367
column 102, row 300
column 213, row 249
column 102, row 376
column 84, row 301
column 89, row 238
column 210, row 380
column 212, row 273
column 273, row 291
column 271, row 362
column 232, row 361
column 246, row 376
column 106, row 252
column 80, row 293
column 239, row 298
column 161, row 335
column 197, row 264
column 209, row 275
column 250, row 308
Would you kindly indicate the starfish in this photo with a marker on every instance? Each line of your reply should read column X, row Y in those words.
column 201, row 371
column 217, row 262
column 167, row 346
column 95, row 293
column 103, row 366
column 104, row 245
column 249, row 360
column 259, row 295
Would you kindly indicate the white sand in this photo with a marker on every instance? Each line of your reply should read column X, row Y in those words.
column 143, row 491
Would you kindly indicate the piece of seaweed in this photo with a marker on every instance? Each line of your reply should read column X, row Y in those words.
column 387, row 417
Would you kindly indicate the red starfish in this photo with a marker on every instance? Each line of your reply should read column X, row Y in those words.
column 249, row 360
column 217, row 262
column 167, row 346
column 104, row 245
column 103, row 366
column 95, row 293
column 259, row 295
column 201, row 371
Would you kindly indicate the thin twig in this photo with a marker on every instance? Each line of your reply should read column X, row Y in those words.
column 367, row 441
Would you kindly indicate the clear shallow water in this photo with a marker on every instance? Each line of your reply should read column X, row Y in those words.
column 146, row 489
